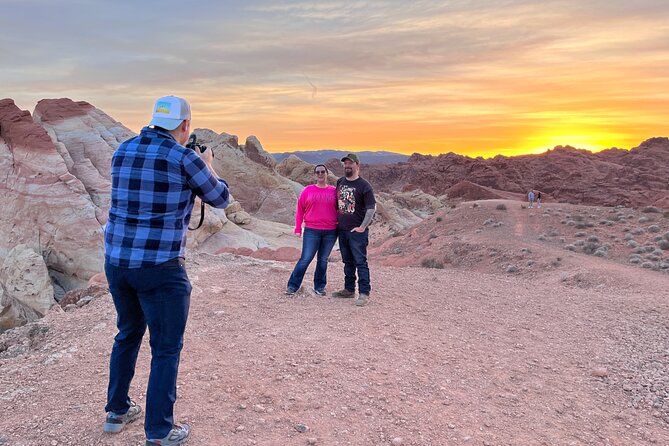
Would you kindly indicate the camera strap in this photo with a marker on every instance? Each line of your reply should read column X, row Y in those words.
column 201, row 217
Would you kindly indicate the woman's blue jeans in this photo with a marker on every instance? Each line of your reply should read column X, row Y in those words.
column 314, row 241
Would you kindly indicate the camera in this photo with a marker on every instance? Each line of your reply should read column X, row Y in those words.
column 193, row 144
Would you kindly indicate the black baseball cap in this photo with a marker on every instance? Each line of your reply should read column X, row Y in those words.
column 353, row 157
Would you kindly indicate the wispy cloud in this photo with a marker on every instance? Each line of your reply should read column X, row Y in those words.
column 474, row 76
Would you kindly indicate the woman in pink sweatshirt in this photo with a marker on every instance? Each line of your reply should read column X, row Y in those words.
column 317, row 208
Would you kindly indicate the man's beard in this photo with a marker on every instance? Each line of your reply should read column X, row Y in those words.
column 348, row 173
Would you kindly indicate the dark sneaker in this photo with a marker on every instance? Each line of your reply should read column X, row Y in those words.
column 290, row 292
column 115, row 422
column 362, row 300
column 345, row 294
column 178, row 435
column 320, row 292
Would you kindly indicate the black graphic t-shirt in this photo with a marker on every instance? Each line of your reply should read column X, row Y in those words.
column 353, row 200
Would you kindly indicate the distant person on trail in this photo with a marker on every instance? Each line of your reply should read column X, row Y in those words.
column 154, row 183
column 539, row 199
column 530, row 198
column 356, row 207
column 317, row 209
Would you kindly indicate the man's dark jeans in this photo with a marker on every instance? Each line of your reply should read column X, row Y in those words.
column 353, row 247
column 159, row 297
column 314, row 241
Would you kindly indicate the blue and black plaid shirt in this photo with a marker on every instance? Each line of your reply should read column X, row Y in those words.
column 154, row 184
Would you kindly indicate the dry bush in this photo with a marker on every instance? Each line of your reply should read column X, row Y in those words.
column 432, row 263
column 501, row 207
column 650, row 209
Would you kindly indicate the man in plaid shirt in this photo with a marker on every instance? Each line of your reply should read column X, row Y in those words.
column 154, row 183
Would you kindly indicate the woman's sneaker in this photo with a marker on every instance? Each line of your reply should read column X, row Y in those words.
column 115, row 422
column 178, row 435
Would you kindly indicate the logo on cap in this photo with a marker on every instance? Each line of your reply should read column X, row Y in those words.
column 163, row 107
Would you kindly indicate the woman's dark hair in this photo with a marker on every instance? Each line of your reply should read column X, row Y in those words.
column 323, row 166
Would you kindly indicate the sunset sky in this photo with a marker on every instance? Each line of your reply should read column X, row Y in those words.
column 471, row 77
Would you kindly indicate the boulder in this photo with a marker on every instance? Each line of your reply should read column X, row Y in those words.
column 27, row 292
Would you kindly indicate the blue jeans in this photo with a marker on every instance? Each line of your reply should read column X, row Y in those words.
column 353, row 247
column 159, row 297
column 314, row 241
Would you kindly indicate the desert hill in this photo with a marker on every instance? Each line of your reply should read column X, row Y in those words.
column 502, row 235
column 321, row 156
column 612, row 177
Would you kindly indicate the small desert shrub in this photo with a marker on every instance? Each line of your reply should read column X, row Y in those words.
column 432, row 263
column 579, row 234
column 664, row 244
column 637, row 231
column 653, row 228
column 644, row 220
column 601, row 252
column 581, row 225
column 578, row 218
column 553, row 233
column 526, row 250
column 648, row 265
column 512, row 269
column 497, row 224
column 650, row 209
column 542, row 238
column 579, row 243
column 649, row 248
column 571, row 223
column 475, row 205
column 666, row 214
column 635, row 260
column 628, row 236
column 590, row 247
column 501, row 207
column 639, row 250
column 453, row 206
column 570, row 248
column 632, row 243
column 652, row 258
column 666, row 236
column 439, row 219
column 593, row 239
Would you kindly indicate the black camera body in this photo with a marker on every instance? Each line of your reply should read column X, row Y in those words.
column 193, row 144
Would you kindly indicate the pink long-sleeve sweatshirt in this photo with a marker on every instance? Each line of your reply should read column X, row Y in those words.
column 317, row 207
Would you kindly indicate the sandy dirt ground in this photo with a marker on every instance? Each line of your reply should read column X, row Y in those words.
column 571, row 354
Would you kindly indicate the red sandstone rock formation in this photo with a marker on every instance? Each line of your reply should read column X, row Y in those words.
column 632, row 178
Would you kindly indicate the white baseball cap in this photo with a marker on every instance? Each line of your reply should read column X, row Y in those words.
column 169, row 112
